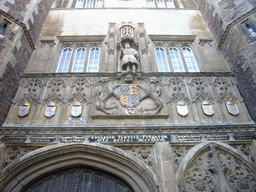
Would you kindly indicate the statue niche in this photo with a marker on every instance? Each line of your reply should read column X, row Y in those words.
column 129, row 60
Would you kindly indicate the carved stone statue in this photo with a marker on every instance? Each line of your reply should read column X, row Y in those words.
column 129, row 58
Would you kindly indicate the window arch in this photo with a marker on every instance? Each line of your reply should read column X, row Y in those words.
column 93, row 62
column 176, row 60
column 79, row 60
column 3, row 28
column 190, row 59
column 65, row 60
column 161, row 60
column 250, row 29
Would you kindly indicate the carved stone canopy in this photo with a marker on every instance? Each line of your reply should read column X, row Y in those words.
column 127, row 33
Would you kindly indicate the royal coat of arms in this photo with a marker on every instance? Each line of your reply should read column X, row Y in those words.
column 207, row 108
column 24, row 110
column 50, row 110
column 232, row 108
column 129, row 95
column 76, row 109
column 182, row 108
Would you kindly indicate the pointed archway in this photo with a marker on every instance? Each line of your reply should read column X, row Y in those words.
column 109, row 160
column 215, row 167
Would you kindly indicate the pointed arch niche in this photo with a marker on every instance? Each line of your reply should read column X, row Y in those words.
column 42, row 162
column 215, row 167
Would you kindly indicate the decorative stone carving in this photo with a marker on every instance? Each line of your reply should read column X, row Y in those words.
column 27, row 99
column 33, row 87
column 53, row 98
column 221, row 83
column 47, row 42
column 204, row 42
column 217, row 170
column 12, row 154
column 145, row 154
column 127, row 33
column 153, row 93
column 176, row 97
column 56, row 86
column 79, row 85
column 202, row 96
column 176, row 83
column 198, row 83
column 104, row 95
column 129, row 77
column 247, row 150
column 178, row 153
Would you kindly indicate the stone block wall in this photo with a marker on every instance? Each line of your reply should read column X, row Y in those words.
column 26, row 18
column 238, row 48
column 10, row 78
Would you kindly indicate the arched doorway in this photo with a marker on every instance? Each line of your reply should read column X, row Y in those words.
column 92, row 163
column 78, row 179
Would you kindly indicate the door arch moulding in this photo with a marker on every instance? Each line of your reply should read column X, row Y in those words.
column 210, row 161
column 51, row 158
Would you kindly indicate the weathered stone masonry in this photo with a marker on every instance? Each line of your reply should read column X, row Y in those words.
column 238, row 48
column 21, row 52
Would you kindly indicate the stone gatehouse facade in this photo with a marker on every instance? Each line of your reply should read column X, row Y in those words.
column 135, row 95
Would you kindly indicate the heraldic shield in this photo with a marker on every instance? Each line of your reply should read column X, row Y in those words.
column 50, row 110
column 182, row 108
column 207, row 108
column 24, row 110
column 129, row 95
column 76, row 110
column 232, row 108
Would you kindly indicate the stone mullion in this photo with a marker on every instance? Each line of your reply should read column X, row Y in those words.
column 169, row 105
column 184, row 64
column 223, row 179
column 193, row 104
column 65, row 101
column 215, row 93
column 42, row 95
column 111, row 58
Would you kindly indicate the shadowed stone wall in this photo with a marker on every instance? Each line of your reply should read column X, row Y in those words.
column 25, row 19
column 225, row 20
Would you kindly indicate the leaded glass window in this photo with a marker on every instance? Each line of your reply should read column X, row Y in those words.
column 98, row 3
column 79, row 3
column 89, row 4
column 176, row 60
column 93, row 63
column 161, row 60
column 79, row 60
column 65, row 60
column 190, row 59
column 151, row 3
